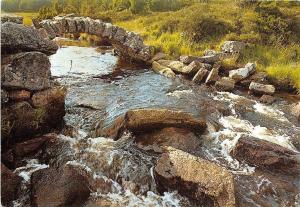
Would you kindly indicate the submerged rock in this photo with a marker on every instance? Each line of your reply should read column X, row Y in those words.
column 266, row 154
column 17, row 37
column 29, row 70
column 258, row 88
column 194, row 177
column 10, row 183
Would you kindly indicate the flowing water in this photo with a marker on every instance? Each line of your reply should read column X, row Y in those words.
column 100, row 88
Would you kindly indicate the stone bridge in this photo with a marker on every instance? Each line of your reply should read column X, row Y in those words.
column 128, row 44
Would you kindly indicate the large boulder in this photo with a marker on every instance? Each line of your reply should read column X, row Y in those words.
column 233, row 47
column 168, row 72
column 264, row 154
column 242, row 73
column 29, row 70
column 142, row 120
column 59, row 187
column 178, row 138
column 194, row 177
column 10, row 183
column 258, row 88
column 17, row 37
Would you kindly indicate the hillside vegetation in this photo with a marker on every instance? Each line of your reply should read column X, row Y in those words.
column 177, row 27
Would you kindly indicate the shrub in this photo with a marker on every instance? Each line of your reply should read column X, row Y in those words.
column 199, row 28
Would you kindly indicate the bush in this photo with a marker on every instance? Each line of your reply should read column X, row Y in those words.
column 199, row 28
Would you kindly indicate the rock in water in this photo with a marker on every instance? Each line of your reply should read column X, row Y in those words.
column 9, row 185
column 176, row 66
column 59, row 187
column 266, row 154
column 168, row 72
column 233, row 47
column 258, row 88
column 194, row 177
column 267, row 99
column 141, row 120
column 225, row 84
column 17, row 37
column 179, row 138
column 29, row 70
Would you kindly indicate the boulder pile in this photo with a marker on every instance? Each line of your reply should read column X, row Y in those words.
column 208, row 69
column 127, row 44
column 32, row 104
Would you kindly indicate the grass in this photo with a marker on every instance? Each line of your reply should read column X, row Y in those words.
column 162, row 31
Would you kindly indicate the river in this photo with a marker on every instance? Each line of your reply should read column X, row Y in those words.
column 101, row 87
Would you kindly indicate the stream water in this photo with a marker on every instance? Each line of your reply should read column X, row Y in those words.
column 100, row 89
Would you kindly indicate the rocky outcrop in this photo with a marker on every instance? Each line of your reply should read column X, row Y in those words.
column 258, row 88
column 194, row 177
column 233, row 47
column 58, row 187
column 10, row 183
column 266, row 154
column 128, row 44
column 29, row 70
column 11, row 18
column 28, row 108
column 17, row 37
column 142, row 120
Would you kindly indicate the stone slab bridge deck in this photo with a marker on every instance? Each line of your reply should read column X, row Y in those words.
column 129, row 44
